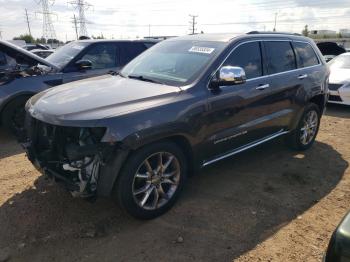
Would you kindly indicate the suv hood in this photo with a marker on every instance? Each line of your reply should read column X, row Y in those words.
column 14, row 51
column 81, row 102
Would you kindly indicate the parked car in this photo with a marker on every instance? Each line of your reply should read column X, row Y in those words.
column 339, row 245
column 42, row 53
column 74, row 61
column 339, row 80
column 187, row 102
column 31, row 47
column 330, row 50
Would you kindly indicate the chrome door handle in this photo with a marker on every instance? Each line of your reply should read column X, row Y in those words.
column 262, row 87
column 302, row 76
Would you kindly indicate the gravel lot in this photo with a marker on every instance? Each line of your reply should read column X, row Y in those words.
column 266, row 204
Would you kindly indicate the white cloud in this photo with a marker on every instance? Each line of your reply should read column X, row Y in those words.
column 130, row 18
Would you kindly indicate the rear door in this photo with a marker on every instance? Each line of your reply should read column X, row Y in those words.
column 285, row 82
column 311, row 73
column 104, row 57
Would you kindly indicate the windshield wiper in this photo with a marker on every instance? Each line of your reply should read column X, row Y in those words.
column 146, row 79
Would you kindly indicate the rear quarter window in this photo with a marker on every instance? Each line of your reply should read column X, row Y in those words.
column 280, row 56
column 306, row 55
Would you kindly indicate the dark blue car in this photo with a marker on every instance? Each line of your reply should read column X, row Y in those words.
column 23, row 74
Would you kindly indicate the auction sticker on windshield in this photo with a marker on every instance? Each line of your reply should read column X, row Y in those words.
column 203, row 50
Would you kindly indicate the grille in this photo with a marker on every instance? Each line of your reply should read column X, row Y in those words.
column 335, row 98
column 334, row 87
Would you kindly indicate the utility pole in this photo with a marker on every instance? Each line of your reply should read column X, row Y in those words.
column 81, row 6
column 274, row 28
column 30, row 33
column 193, row 24
column 149, row 30
column 48, row 29
column 75, row 26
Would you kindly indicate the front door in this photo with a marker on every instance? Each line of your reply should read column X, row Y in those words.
column 104, row 58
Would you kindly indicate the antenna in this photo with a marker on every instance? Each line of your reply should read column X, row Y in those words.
column 48, row 29
column 81, row 6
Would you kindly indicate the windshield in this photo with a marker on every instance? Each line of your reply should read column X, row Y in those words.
column 66, row 53
column 342, row 62
column 173, row 62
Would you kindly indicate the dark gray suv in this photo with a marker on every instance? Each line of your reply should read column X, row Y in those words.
column 185, row 103
column 23, row 74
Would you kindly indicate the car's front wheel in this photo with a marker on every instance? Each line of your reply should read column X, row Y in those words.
column 151, row 180
column 305, row 134
column 13, row 115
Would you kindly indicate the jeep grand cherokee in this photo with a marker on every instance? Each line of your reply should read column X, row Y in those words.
column 187, row 102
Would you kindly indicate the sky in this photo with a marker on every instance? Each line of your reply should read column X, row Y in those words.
column 123, row 19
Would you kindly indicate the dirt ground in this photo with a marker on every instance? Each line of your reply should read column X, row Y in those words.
column 266, row 204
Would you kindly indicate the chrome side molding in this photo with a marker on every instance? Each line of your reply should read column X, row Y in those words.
column 246, row 147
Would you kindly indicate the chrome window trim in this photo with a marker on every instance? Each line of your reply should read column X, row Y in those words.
column 264, row 76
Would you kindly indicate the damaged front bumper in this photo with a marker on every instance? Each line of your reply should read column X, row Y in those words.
column 71, row 155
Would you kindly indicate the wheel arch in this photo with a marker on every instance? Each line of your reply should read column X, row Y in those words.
column 107, row 182
column 320, row 101
column 14, row 98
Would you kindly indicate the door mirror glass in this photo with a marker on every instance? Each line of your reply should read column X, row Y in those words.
column 83, row 64
column 229, row 75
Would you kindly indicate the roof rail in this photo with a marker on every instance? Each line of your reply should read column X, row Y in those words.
column 271, row 33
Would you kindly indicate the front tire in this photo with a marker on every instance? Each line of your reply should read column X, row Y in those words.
column 305, row 134
column 151, row 180
column 13, row 115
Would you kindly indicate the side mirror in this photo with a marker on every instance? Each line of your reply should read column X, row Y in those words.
column 227, row 76
column 84, row 64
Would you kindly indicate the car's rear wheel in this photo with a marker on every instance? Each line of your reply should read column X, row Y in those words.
column 305, row 134
column 151, row 180
column 13, row 115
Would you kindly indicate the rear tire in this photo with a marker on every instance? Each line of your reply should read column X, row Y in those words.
column 151, row 180
column 306, row 131
column 13, row 115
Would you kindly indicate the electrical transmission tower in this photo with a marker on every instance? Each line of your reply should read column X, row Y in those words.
column 81, row 6
column 48, row 29
column 193, row 24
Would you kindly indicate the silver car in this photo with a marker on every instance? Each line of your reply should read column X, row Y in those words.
column 339, row 79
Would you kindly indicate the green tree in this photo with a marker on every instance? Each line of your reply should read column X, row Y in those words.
column 306, row 31
column 27, row 38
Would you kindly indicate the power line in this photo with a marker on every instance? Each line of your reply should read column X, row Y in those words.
column 193, row 24
column 30, row 33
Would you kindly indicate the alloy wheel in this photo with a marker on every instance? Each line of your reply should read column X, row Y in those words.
column 156, row 180
column 309, row 127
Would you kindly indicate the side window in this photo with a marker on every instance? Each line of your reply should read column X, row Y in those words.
column 247, row 56
column 102, row 55
column 280, row 56
column 306, row 55
column 3, row 60
column 130, row 50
